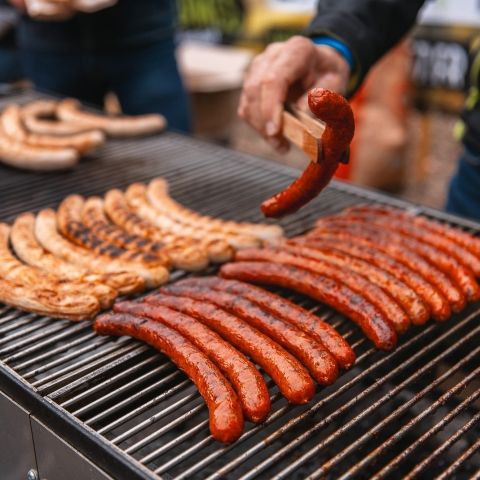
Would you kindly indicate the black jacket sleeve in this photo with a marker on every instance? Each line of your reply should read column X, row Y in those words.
column 368, row 27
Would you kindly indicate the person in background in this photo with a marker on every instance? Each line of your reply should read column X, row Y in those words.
column 343, row 41
column 127, row 48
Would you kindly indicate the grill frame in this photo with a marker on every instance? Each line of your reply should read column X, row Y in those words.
column 87, row 440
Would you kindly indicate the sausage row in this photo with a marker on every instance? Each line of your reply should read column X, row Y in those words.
column 233, row 324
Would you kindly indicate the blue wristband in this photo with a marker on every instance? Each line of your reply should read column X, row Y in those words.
column 339, row 46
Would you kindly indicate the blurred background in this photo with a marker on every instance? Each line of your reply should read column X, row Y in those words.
column 405, row 112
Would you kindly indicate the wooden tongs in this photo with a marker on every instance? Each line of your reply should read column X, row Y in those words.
column 305, row 132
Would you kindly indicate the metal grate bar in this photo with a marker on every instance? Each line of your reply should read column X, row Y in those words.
column 131, row 354
column 62, row 359
column 12, row 315
column 109, row 380
column 300, row 439
column 203, row 425
column 171, row 408
column 88, row 363
column 444, row 447
column 24, row 320
column 142, row 408
column 452, row 468
column 65, row 330
column 468, row 401
column 165, row 428
column 376, row 404
column 124, row 387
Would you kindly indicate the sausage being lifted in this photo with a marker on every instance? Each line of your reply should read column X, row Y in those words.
column 335, row 111
column 285, row 370
column 287, row 311
column 245, row 378
column 372, row 322
column 226, row 419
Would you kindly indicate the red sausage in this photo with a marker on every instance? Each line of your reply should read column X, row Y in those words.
column 285, row 370
column 225, row 411
column 286, row 310
column 410, row 258
column 431, row 296
column 335, row 111
column 242, row 374
column 461, row 275
column 323, row 289
column 370, row 292
column 413, row 305
column 312, row 354
column 459, row 253
column 460, row 237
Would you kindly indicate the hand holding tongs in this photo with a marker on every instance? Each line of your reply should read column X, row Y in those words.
column 305, row 132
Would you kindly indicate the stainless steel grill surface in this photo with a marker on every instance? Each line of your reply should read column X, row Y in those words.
column 411, row 413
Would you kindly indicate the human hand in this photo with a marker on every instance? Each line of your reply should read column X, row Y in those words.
column 285, row 71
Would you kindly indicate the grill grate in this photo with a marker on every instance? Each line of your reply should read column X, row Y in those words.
column 401, row 414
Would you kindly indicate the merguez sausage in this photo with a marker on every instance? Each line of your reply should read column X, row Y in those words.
column 226, row 419
column 401, row 293
column 411, row 259
column 286, row 371
column 286, row 310
column 312, row 354
column 325, row 290
column 459, row 253
column 242, row 374
column 370, row 292
column 431, row 296
column 460, row 274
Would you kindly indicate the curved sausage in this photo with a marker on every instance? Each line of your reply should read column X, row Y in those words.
column 460, row 237
column 70, row 110
column 242, row 374
column 217, row 248
column 157, row 193
column 431, row 296
column 20, row 155
column 82, row 142
column 39, row 117
column 407, row 256
column 286, row 371
column 48, row 236
column 288, row 311
column 461, row 275
column 413, row 305
column 45, row 273
column 363, row 287
column 323, row 289
column 183, row 253
column 459, row 253
column 94, row 218
column 150, row 268
column 225, row 412
column 312, row 354
column 335, row 111
column 47, row 302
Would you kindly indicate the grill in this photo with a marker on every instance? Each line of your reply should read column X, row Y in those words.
column 132, row 413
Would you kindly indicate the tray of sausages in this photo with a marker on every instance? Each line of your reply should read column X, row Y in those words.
column 383, row 268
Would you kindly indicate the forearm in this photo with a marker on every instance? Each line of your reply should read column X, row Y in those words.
column 369, row 28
